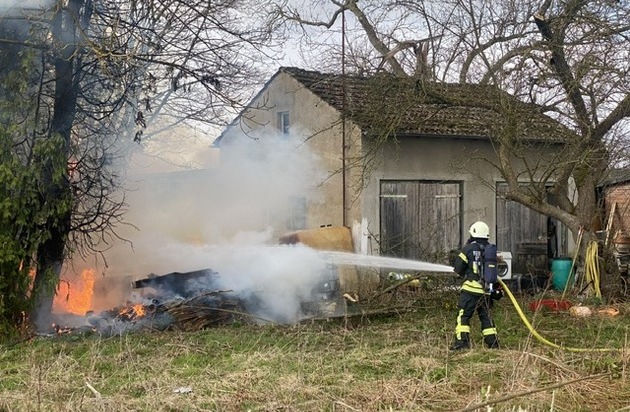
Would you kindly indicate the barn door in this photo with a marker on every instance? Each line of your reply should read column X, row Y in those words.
column 420, row 219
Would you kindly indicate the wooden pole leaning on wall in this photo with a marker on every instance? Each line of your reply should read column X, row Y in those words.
column 611, row 218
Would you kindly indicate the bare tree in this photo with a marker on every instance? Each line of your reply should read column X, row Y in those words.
column 569, row 58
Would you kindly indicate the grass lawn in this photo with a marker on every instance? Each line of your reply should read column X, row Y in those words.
column 388, row 362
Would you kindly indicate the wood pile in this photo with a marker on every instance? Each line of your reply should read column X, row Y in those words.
column 209, row 309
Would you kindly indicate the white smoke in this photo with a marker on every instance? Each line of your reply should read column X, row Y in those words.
column 273, row 281
column 224, row 219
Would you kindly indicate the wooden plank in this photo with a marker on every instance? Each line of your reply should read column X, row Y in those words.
column 609, row 223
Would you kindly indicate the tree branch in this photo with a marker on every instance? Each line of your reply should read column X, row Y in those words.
column 563, row 71
column 294, row 15
column 492, row 70
column 620, row 112
column 479, row 50
column 374, row 39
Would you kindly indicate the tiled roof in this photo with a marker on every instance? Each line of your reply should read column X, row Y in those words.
column 616, row 176
column 408, row 106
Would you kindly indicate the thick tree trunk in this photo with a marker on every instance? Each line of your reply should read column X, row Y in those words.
column 50, row 260
column 51, row 254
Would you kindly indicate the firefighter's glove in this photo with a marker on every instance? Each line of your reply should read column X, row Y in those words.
column 496, row 294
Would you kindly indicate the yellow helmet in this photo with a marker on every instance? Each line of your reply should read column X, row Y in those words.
column 479, row 230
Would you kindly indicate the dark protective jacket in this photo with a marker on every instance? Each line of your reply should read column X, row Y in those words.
column 464, row 266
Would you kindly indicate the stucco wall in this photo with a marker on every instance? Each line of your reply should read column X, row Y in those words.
column 462, row 160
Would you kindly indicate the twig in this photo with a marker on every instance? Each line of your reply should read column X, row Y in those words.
column 395, row 286
column 94, row 391
column 525, row 393
column 345, row 405
column 545, row 359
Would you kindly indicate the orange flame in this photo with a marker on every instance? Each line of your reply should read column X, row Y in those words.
column 140, row 311
column 75, row 296
column 132, row 312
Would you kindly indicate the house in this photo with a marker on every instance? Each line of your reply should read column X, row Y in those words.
column 615, row 194
column 411, row 161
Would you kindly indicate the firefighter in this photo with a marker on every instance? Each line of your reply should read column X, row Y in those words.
column 474, row 295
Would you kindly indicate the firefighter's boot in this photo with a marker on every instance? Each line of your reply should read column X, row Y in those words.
column 463, row 343
column 491, row 341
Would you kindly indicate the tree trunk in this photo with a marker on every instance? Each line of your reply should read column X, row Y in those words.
column 51, row 253
column 50, row 257
column 610, row 283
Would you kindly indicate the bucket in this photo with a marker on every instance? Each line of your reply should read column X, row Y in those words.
column 561, row 272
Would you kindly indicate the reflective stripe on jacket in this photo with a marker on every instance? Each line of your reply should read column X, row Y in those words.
column 472, row 286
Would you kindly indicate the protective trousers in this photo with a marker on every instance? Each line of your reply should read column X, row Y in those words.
column 468, row 303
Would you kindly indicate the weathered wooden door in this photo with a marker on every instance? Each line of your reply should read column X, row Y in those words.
column 420, row 219
column 523, row 232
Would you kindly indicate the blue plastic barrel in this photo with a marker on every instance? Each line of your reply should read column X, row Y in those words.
column 561, row 272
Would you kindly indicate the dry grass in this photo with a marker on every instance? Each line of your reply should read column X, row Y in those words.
column 379, row 363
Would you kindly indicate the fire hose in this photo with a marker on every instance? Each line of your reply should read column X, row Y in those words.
column 591, row 268
column 537, row 335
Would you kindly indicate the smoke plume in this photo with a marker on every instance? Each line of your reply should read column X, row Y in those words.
column 225, row 219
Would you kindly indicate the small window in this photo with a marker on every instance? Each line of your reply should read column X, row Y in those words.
column 283, row 122
column 297, row 214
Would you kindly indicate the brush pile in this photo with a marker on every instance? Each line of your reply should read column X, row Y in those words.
column 209, row 309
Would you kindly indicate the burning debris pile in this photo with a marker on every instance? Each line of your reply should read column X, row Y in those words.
column 281, row 284
column 184, row 301
column 130, row 317
column 214, row 308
